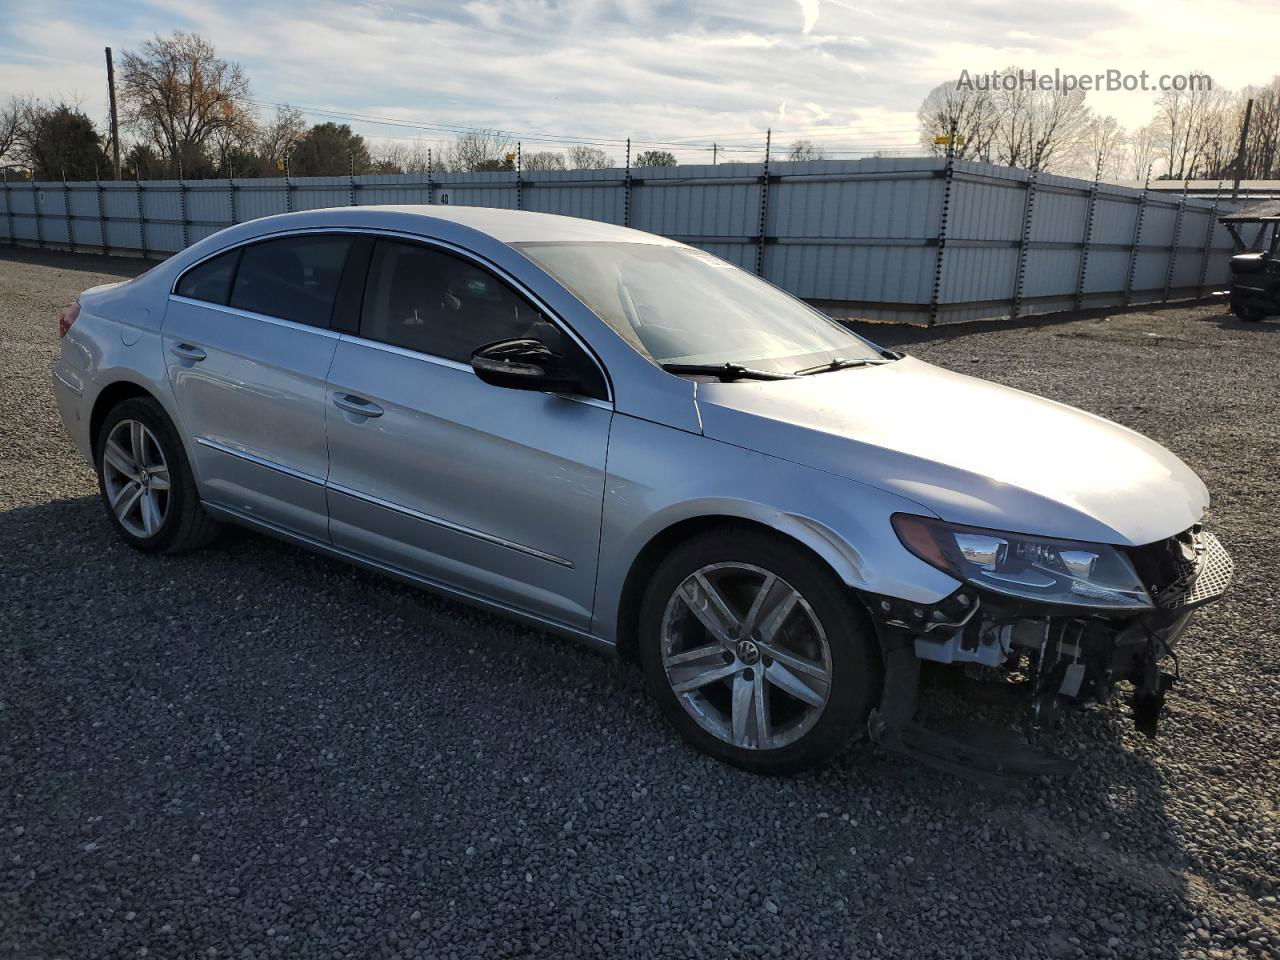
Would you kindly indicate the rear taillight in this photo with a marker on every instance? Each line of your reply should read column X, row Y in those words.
column 66, row 317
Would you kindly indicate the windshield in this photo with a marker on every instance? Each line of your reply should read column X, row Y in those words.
column 678, row 305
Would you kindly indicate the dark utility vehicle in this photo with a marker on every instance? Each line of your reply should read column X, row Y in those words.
column 1255, row 266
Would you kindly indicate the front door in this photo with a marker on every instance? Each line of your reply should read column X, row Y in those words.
column 248, row 344
column 491, row 491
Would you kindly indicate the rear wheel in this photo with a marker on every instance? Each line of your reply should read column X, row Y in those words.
column 146, row 482
column 756, row 652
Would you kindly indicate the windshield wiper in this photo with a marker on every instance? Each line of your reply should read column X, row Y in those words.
column 727, row 372
column 839, row 363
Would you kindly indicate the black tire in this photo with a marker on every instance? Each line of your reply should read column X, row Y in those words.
column 185, row 525
column 1249, row 314
column 854, row 651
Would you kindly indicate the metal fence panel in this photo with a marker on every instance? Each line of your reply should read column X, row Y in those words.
column 907, row 239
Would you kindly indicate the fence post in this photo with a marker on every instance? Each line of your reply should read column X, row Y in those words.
column 142, row 216
column 102, row 222
column 430, row 189
column 1024, row 244
column 231, row 199
column 1204, row 254
column 764, row 204
column 1177, row 240
column 8, row 207
column 35, row 207
column 351, row 179
column 288, row 187
column 1086, row 240
column 66, row 212
column 1137, row 235
column 519, row 176
column 182, row 206
column 626, row 189
column 947, row 177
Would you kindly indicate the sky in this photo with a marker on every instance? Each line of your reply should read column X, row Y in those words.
column 681, row 76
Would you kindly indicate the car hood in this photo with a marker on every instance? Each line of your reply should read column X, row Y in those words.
column 967, row 450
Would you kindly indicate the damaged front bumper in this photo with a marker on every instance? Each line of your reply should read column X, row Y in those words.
column 1044, row 658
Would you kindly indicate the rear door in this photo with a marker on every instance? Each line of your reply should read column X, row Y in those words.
column 248, row 340
column 491, row 491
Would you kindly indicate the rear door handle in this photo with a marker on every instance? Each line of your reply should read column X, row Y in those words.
column 187, row 352
column 357, row 405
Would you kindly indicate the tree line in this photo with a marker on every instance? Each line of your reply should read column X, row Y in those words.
column 187, row 113
column 1193, row 134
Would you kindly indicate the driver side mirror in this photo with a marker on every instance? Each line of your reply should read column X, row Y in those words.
column 524, row 365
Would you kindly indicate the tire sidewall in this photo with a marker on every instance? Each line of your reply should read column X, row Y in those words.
column 855, row 661
column 149, row 413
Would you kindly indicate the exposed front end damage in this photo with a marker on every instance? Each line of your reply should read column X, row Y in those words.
column 1042, row 658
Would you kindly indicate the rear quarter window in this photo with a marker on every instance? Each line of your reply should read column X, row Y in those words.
column 210, row 281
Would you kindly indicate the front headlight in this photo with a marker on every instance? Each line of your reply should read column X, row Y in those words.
column 1043, row 569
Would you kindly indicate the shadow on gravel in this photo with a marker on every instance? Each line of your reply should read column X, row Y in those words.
column 1229, row 321
column 124, row 267
column 251, row 748
column 896, row 335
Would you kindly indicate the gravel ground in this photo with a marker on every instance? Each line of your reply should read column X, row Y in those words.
column 254, row 752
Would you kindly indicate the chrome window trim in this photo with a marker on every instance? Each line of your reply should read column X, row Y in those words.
column 248, row 315
column 449, row 525
column 406, row 352
column 381, row 232
column 259, row 461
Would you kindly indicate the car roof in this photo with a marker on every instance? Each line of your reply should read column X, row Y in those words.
column 506, row 226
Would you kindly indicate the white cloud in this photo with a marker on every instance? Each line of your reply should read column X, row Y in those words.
column 809, row 10
column 717, row 70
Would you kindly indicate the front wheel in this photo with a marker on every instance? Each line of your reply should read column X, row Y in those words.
column 756, row 651
column 1248, row 313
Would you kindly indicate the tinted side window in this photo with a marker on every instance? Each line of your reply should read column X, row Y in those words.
column 294, row 278
column 211, row 280
column 433, row 302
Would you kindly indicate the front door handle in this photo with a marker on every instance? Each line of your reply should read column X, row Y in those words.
column 357, row 405
column 187, row 352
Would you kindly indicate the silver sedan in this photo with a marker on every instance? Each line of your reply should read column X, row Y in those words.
column 635, row 443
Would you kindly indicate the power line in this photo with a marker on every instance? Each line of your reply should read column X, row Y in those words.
column 702, row 145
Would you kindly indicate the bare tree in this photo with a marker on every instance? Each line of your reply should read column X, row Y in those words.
column 1190, row 126
column 1142, row 150
column 805, row 150
column 1220, row 139
column 10, row 124
column 234, row 142
column 588, row 158
column 965, row 115
column 1100, row 149
column 478, row 150
column 1262, row 152
column 277, row 137
column 1034, row 127
column 177, row 93
column 402, row 157
column 543, row 160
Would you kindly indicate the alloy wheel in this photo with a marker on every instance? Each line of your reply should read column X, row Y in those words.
column 746, row 656
column 136, row 478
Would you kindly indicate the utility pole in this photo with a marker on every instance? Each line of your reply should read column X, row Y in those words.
column 115, row 123
column 714, row 148
column 1244, row 140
